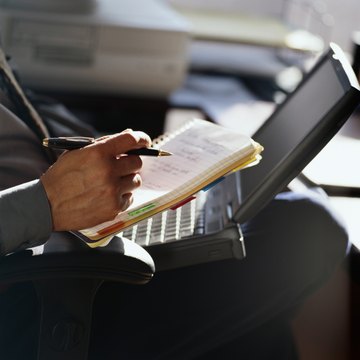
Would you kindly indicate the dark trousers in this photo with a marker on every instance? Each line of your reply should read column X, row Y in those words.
column 238, row 308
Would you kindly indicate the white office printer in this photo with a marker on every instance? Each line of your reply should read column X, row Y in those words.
column 101, row 46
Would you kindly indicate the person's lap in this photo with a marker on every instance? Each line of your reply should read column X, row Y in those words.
column 292, row 246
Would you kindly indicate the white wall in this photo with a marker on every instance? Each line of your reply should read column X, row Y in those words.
column 346, row 15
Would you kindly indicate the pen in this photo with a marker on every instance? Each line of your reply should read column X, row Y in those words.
column 77, row 142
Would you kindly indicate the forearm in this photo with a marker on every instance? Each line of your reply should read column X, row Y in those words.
column 25, row 217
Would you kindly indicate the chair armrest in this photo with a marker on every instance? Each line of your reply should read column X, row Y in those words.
column 66, row 256
column 78, row 271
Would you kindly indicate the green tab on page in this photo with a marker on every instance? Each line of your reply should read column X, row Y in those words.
column 141, row 210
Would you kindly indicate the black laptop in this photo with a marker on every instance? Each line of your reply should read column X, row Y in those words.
column 209, row 227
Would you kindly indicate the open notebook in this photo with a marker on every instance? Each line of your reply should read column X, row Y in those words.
column 202, row 152
column 209, row 227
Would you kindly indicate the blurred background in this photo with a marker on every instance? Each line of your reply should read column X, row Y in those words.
column 153, row 64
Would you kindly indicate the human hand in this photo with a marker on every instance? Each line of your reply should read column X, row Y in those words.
column 88, row 186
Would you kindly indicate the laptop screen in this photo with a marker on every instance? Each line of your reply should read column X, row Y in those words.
column 298, row 129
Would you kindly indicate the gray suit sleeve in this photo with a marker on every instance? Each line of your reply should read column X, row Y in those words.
column 25, row 217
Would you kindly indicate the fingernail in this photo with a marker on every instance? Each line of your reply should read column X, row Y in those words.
column 137, row 179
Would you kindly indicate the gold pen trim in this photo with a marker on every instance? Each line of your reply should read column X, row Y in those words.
column 164, row 153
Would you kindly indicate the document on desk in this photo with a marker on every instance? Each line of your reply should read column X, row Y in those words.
column 202, row 151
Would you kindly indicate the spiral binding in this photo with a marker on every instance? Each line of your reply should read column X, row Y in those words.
column 164, row 138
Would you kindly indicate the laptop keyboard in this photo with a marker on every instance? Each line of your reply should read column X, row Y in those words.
column 170, row 225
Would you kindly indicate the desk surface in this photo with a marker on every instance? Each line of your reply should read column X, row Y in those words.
column 338, row 163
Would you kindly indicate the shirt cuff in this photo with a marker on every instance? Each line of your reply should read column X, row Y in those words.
column 25, row 217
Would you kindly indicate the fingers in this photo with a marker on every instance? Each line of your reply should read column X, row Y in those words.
column 129, row 183
column 122, row 142
column 125, row 187
column 125, row 201
column 125, row 165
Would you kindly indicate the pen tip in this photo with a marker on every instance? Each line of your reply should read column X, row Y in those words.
column 164, row 153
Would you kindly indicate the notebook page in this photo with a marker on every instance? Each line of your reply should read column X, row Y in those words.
column 193, row 154
column 200, row 153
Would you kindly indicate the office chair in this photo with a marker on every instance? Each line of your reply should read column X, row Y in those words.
column 66, row 274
